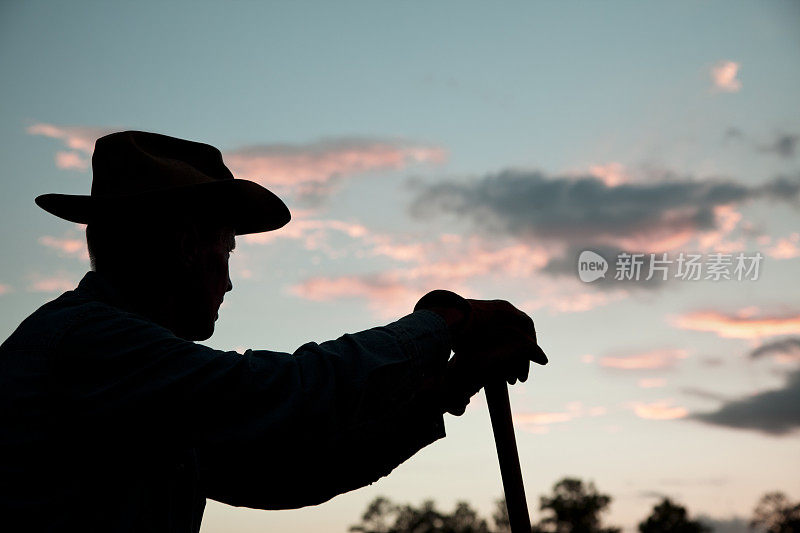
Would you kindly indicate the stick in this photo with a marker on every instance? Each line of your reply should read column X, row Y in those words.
column 503, row 428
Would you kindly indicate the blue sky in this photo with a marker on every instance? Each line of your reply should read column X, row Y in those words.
column 391, row 129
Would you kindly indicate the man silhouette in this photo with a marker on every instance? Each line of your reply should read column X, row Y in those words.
column 113, row 417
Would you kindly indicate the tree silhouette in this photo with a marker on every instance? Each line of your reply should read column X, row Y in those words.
column 375, row 519
column 776, row 514
column 465, row 520
column 502, row 524
column 574, row 507
column 382, row 516
column 668, row 517
column 426, row 519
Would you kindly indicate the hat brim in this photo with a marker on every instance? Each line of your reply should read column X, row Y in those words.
column 245, row 205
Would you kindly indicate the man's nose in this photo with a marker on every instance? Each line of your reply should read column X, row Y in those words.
column 230, row 285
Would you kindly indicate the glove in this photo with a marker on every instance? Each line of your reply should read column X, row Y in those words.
column 492, row 340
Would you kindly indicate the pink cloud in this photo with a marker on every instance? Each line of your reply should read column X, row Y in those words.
column 385, row 296
column 76, row 138
column 59, row 283
column 449, row 260
column 306, row 169
column 612, row 174
column 314, row 233
column 788, row 358
column 567, row 295
column 404, row 286
column 322, row 289
column 723, row 74
column 576, row 302
column 478, row 258
column 79, row 138
column 410, row 252
column 409, row 283
column 743, row 325
column 675, row 235
column 665, row 358
column 4, row 289
column 726, row 220
column 786, row 247
column 309, row 168
column 651, row 383
column 538, row 421
column 443, row 260
column 660, row 410
column 654, row 240
column 69, row 247
column 71, row 160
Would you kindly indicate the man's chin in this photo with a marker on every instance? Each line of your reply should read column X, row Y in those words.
column 204, row 335
column 199, row 334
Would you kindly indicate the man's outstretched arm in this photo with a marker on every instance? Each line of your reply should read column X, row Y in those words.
column 277, row 430
column 271, row 429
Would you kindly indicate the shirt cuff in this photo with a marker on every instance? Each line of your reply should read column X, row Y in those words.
column 427, row 341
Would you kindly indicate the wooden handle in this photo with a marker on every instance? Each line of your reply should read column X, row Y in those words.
column 503, row 428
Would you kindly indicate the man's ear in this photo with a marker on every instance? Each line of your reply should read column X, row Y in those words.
column 188, row 246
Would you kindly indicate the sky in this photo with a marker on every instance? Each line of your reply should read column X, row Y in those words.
column 478, row 147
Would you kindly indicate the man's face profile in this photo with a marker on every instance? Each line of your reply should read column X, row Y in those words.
column 204, row 283
column 175, row 270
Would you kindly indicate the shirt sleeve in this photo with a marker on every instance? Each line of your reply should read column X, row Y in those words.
column 272, row 430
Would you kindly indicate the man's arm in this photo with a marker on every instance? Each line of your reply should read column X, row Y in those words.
column 272, row 430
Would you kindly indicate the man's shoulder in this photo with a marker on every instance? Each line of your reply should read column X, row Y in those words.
column 47, row 325
column 42, row 327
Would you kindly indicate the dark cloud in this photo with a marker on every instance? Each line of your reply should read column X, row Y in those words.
column 782, row 188
column 783, row 346
column 775, row 412
column 784, row 145
column 585, row 210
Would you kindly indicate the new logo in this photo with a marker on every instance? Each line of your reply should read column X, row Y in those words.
column 591, row 266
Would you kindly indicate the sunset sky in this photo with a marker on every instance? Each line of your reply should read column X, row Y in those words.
column 478, row 147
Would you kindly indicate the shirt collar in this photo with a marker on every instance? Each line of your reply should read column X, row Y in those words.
column 98, row 287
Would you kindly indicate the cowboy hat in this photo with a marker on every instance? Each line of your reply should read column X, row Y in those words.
column 137, row 173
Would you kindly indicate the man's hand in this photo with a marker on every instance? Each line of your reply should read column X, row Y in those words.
column 492, row 340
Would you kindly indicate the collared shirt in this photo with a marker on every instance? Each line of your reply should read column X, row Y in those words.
column 109, row 422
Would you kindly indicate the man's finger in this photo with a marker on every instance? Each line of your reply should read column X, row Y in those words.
column 523, row 375
column 524, row 342
column 539, row 356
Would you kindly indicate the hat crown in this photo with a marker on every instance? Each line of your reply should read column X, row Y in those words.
column 133, row 162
